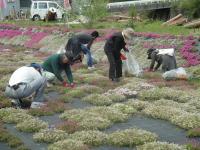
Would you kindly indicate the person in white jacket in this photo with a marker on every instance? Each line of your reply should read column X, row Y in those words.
column 24, row 82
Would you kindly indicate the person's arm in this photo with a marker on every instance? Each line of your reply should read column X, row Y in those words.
column 90, row 43
column 153, row 60
column 159, row 62
column 69, row 73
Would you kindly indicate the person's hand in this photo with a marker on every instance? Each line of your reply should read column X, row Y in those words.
column 72, row 85
column 65, row 84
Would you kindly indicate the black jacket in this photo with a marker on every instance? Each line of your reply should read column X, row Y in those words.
column 115, row 43
column 74, row 43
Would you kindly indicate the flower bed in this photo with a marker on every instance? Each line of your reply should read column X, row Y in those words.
column 31, row 125
column 162, row 112
column 68, row 126
column 49, row 136
column 114, row 97
column 81, row 91
column 124, row 108
column 122, row 91
column 160, row 146
column 166, row 93
column 137, row 104
column 86, row 119
column 91, row 137
column 110, row 113
column 187, row 120
column 131, row 137
column 98, row 99
column 68, row 145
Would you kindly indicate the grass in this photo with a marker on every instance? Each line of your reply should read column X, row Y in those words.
column 194, row 132
column 145, row 26
column 156, row 27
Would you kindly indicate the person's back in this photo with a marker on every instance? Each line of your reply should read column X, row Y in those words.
column 24, row 75
column 25, row 81
column 83, row 38
column 50, row 62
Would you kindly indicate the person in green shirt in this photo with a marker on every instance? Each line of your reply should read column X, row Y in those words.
column 54, row 65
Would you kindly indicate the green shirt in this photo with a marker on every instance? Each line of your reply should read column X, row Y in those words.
column 53, row 64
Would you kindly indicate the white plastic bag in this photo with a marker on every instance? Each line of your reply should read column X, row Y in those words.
column 169, row 51
column 178, row 73
column 131, row 65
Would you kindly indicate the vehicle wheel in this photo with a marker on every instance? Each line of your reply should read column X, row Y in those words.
column 36, row 18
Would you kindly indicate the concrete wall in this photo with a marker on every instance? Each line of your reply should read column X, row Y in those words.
column 11, row 8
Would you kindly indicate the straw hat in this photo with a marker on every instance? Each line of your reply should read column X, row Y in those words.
column 127, row 33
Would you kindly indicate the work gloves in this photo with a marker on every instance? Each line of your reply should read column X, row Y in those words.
column 71, row 85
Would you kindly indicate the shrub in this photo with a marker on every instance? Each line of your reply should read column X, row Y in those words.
column 186, row 120
column 116, row 97
column 91, row 137
column 49, row 136
column 131, row 137
column 69, row 126
column 68, row 144
column 124, row 108
column 31, row 125
column 98, row 99
column 160, row 146
column 139, row 105
column 109, row 113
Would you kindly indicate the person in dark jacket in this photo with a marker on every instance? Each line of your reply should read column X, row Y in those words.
column 81, row 43
column 57, row 63
column 168, row 62
column 112, row 48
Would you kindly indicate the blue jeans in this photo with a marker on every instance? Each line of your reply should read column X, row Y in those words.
column 87, row 52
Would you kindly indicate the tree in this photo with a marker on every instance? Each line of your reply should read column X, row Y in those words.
column 94, row 11
column 191, row 8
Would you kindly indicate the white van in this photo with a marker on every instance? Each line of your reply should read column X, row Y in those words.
column 39, row 9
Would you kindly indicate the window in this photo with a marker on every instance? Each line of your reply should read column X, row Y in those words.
column 25, row 3
column 35, row 6
column 54, row 5
column 42, row 5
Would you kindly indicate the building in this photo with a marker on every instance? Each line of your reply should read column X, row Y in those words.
column 12, row 7
column 9, row 8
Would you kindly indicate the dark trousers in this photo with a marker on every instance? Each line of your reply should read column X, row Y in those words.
column 115, row 70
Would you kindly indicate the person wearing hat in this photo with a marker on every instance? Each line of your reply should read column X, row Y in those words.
column 24, row 82
column 168, row 61
column 81, row 43
column 112, row 48
column 54, row 65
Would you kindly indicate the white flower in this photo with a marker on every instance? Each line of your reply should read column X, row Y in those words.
column 98, row 99
column 127, row 109
column 131, row 137
column 49, row 135
column 160, row 146
column 68, row 144
column 187, row 120
column 31, row 125
column 91, row 137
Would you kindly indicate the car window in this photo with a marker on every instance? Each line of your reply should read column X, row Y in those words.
column 42, row 5
column 35, row 5
column 54, row 5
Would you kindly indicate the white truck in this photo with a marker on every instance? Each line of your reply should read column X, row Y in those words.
column 40, row 9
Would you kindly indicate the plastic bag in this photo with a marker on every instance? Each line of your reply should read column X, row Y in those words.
column 178, row 73
column 131, row 65
column 169, row 51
